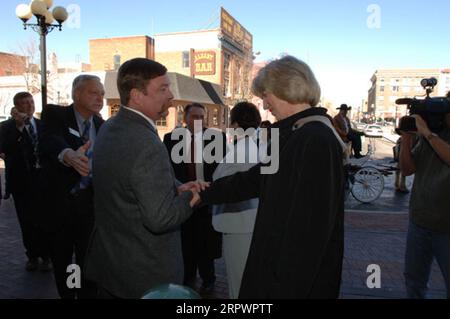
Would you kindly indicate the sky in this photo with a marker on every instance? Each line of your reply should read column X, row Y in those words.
column 344, row 41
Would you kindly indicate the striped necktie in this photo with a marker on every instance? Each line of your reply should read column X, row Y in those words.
column 34, row 143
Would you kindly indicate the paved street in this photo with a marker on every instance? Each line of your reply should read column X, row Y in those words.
column 375, row 234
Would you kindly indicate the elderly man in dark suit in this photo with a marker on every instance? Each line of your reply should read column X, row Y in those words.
column 139, row 205
column 68, row 138
column 19, row 143
column 201, row 243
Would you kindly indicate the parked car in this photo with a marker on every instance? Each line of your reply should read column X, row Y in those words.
column 373, row 130
column 361, row 126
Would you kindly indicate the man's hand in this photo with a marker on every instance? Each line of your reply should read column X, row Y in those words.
column 78, row 159
column 195, row 199
column 422, row 127
column 197, row 186
column 20, row 118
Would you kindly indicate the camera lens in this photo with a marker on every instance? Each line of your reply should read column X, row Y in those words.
column 429, row 82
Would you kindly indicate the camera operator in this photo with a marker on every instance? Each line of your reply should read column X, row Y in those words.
column 427, row 155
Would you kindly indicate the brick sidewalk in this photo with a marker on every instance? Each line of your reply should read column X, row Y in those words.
column 371, row 238
column 378, row 238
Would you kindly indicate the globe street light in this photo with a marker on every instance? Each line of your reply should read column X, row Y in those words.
column 44, row 18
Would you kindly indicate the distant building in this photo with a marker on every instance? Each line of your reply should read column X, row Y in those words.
column 265, row 114
column 221, row 56
column 109, row 53
column 12, row 64
column 74, row 67
column 390, row 85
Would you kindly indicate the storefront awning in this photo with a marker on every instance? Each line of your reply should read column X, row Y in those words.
column 184, row 88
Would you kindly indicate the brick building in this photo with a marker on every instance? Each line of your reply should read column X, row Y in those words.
column 12, row 64
column 223, row 56
column 220, row 57
column 108, row 54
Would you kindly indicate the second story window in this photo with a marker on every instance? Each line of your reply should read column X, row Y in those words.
column 215, row 118
column 186, row 59
column 116, row 62
column 162, row 122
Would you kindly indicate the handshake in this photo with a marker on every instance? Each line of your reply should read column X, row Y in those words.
column 195, row 187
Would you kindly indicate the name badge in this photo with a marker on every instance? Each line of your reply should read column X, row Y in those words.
column 74, row 132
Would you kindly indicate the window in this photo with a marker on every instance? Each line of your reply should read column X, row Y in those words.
column 186, row 59
column 116, row 62
column 215, row 118
column 381, row 88
column 226, row 74
column 180, row 116
column 226, row 62
column 393, row 98
column 395, row 88
column 114, row 109
column 224, row 118
column 162, row 121
column 238, row 79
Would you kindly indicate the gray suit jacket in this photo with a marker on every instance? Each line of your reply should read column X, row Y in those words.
column 136, row 241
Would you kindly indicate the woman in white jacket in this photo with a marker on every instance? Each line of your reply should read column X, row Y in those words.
column 236, row 220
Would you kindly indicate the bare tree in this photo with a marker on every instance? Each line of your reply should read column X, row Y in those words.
column 32, row 76
column 30, row 50
column 5, row 100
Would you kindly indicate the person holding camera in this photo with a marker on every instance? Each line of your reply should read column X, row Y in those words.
column 427, row 155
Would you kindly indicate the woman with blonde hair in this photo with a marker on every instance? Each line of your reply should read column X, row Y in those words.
column 298, row 239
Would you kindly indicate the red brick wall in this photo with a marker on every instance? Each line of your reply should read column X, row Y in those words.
column 11, row 64
column 102, row 51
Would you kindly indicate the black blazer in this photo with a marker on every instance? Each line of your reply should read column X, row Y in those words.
column 57, row 124
column 19, row 152
column 198, row 227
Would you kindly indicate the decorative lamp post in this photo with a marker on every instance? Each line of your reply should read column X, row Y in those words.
column 44, row 25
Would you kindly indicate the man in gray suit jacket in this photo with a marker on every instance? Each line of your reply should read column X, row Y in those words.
column 139, row 205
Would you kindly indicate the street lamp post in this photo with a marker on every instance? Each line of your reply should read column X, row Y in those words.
column 44, row 19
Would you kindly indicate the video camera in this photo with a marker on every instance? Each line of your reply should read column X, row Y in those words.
column 431, row 109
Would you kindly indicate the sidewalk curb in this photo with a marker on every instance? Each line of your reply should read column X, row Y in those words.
column 387, row 212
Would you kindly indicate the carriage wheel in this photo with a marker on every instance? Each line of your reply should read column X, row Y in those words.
column 368, row 184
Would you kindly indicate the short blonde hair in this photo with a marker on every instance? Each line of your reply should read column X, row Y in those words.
column 289, row 79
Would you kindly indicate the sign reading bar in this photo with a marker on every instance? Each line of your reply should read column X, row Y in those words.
column 235, row 30
column 204, row 63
